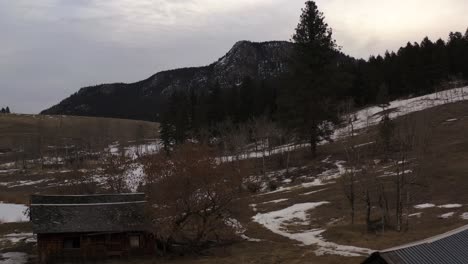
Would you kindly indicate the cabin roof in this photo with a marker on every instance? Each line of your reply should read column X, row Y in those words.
column 88, row 213
column 449, row 247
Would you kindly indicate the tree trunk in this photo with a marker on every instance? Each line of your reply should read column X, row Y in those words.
column 398, row 204
column 368, row 211
column 313, row 145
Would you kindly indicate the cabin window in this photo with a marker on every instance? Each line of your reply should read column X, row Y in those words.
column 71, row 243
column 134, row 241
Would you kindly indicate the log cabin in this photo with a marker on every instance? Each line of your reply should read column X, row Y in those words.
column 80, row 228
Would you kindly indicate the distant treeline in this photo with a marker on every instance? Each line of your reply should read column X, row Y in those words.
column 417, row 68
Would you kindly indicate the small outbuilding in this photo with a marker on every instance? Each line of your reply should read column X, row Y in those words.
column 451, row 247
column 75, row 228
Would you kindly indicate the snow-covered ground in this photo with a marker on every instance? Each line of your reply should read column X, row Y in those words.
column 372, row 115
column 12, row 213
column 136, row 151
column 324, row 178
column 23, row 183
column 464, row 216
column 444, row 206
column 239, row 229
column 424, row 206
column 297, row 215
column 450, row 206
column 390, row 173
column 418, row 215
column 7, row 166
column 13, row 258
column 17, row 237
column 135, row 176
column 265, row 153
column 312, row 192
column 446, row 215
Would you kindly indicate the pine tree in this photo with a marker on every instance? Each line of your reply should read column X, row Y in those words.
column 386, row 130
column 382, row 96
column 3, row 111
column 167, row 133
column 215, row 105
column 306, row 101
column 7, row 110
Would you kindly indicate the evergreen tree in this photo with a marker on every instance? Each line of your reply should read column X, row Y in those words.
column 306, row 101
column 167, row 133
column 179, row 108
column 215, row 106
column 382, row 99
column 386, row 131
column 175, row 122
column 3, row 111
column 7, row 110
column 456, row 52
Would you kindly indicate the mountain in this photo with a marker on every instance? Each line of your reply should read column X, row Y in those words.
column 146, row 99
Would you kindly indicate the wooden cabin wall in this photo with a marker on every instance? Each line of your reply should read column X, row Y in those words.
column 92, row 246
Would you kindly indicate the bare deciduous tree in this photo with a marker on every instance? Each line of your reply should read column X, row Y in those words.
column 191, row 195
column 262, row 132
column 114, row 167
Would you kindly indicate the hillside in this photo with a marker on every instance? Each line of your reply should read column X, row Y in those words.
column 32, row 135
column 146, row 99
column 301, row 215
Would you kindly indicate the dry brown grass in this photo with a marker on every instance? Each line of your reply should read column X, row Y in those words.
column 16, row 197
column 28, row 131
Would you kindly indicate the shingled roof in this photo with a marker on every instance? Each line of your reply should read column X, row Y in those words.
column 88, row 213
column 451, row 247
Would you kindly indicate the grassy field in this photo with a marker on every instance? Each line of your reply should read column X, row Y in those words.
column 34, row 132
column 441, row 171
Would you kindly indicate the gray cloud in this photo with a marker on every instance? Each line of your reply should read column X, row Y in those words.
column 50, row 48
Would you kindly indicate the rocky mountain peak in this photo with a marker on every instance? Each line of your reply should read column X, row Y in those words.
column 259, row 61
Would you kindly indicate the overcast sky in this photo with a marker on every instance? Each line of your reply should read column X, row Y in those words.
column 51, row 48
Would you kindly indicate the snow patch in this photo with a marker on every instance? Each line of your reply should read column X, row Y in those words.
column 390, row 174
column 322, row 179
column 450, row 206
column 363, row 145
column 464, row 216
column 17, row 237
column 296, row 215
column 239, row 229
column 424, row 206
column 418, row 215
column 25, row 183
column 135, row 177
column 10, row 213
column 447, row 215
column 263, row 153
column 309, row 193
column 136, row 151
column 275, row 201
column 13, row 258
